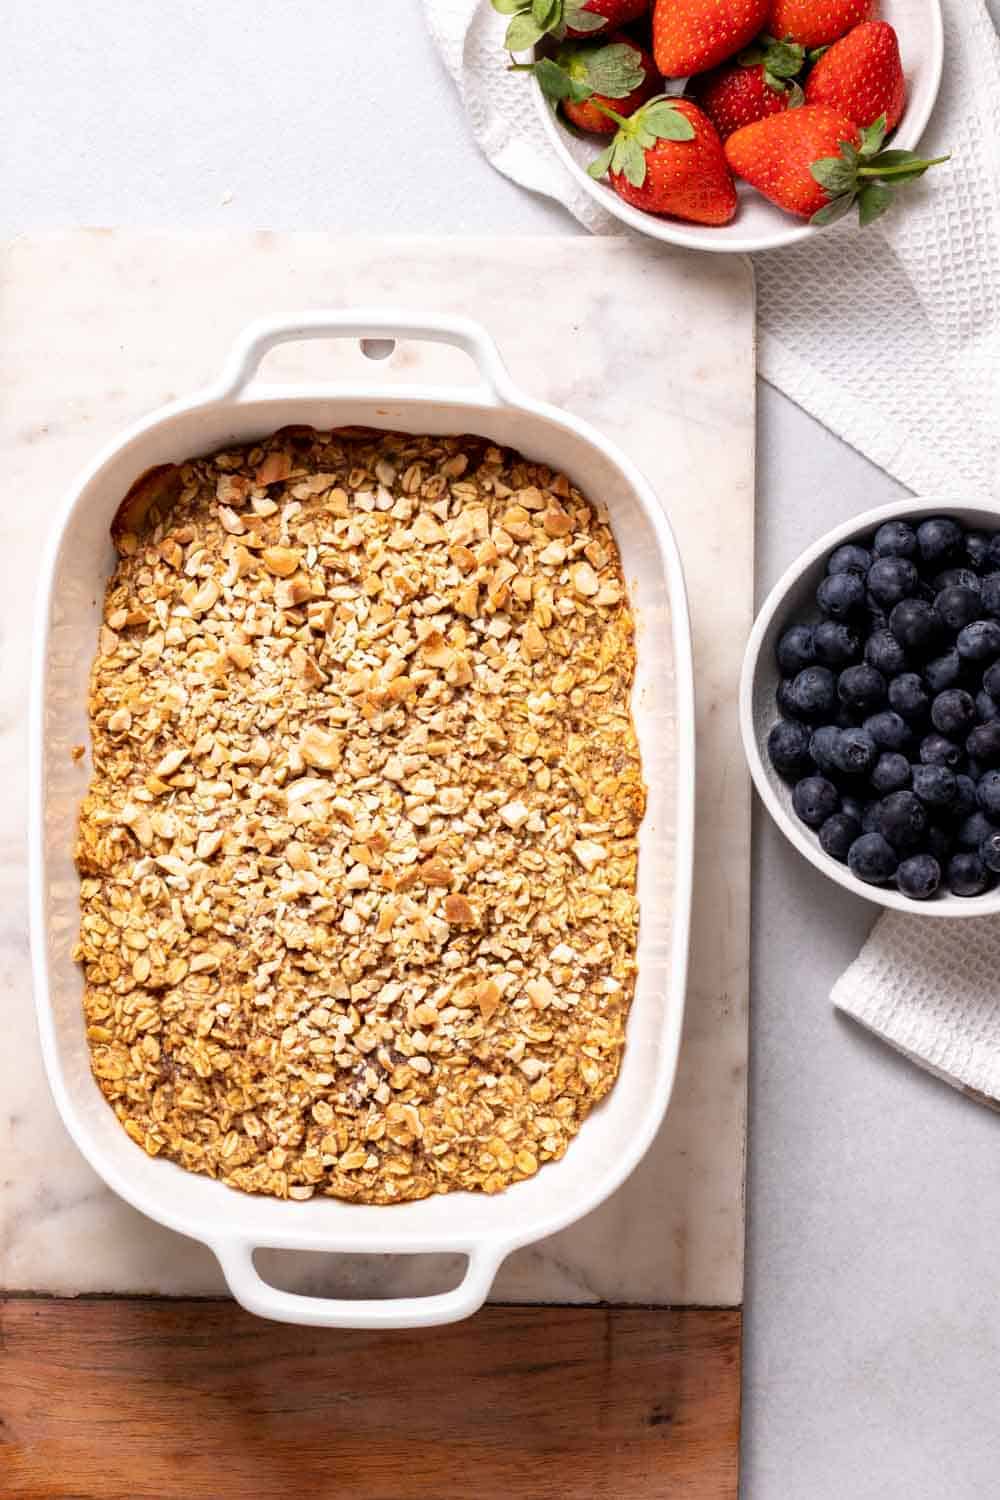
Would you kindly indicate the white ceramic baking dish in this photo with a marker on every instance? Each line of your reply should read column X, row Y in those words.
column 236, row 409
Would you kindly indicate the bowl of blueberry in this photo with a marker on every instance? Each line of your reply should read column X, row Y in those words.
column 870, row 706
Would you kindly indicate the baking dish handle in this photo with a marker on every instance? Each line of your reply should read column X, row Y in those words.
column 259, row 1297
column 376, row 325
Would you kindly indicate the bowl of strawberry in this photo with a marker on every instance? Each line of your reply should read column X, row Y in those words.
column 870, row 706
column 733, row 125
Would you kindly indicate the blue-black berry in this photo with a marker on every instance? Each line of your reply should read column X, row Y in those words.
column 988, row 793
column 962, row 578
column 815, row 799
column 889, row 729
column 837, row 645
column 841, row 595
column 990, row 594
column 849, row 559
column 890, row 773
column 919, row 877
column 837, row 835
column 966, row 875
column 891, row 579
column 957, row 607
column 821, row 745
column 936, row 786
column 788, row 748
column 795, row 650
column 908, row 697
column 939, row 540
column 965, row 797
column 977, row 550
column 953, row 712
column 872, row 859
column 813, row 694
column 895, row 539
column 902, row 820
column 972, row 830
column 854, row 752
column 991, row 680
column 914, row 624
column 861, row 689
column 944, row 671
column 979, row 641
column 885, row 654
column 989, row 851
column 983, row 743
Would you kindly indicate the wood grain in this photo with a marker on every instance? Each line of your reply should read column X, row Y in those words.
column 184, row 1400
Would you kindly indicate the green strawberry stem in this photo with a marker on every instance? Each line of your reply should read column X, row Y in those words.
column 619, row 120
column 907, row 168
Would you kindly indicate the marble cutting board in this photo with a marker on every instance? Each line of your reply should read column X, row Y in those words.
column 653, row 346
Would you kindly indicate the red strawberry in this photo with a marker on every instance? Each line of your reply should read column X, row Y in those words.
column 668, row 159
column 817, row 23
column 619, row 74
column 816, row 163
column 754, row 85
column 533, row 19
column 862, row 76
column 691, row 36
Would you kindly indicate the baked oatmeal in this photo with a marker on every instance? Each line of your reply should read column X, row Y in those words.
column 358, row 853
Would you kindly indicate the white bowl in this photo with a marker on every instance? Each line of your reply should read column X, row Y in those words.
column 760, row 225
column 793, row 599
column 615, row 1135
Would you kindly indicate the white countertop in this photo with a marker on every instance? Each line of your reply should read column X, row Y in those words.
column 873, row 1324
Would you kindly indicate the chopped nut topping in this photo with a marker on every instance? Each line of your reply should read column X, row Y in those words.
column 358, row 856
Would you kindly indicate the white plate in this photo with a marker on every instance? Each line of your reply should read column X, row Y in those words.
column 792, row 599
column 617, row 1133
column 760, row 225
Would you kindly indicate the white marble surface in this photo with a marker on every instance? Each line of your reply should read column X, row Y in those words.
column 99, row 327
column 872, row 1328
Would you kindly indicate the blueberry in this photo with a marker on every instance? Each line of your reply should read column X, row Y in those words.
column 878, row 620
column 838, row 834
column 939, row 540
column 815, row 799
column 965, row 797
column 895, row 539
column 821, row 745
column 987, row 708
column 988, row 794
column 813, row 694
column 919, row 877
column 852, row 806
column 971, row 832
column 783, row 699
column 938, row 750
column 861, row 688
column 953, row 712
column 841, row 595
column 902, row 820
column 795, row 650
column 849, row 559
column 885, row 654
column 977, row 550
column 944, row 671
column 891, row 579
column 966, row 875
column 994, row 551
column 979, row 641
column 963, row 578
column 914, row 624
column 936, row 786
column 940, row 843
column 890, row 773
column 989, row 851
column 889, row 730
column 907, row 696
column 871, row 859
column 836, row 645
column 958, row 606
column 788, row 749
column 991, row 680
column 870, row 818
column 983, row 744
column 854, row 752
column 991, row 594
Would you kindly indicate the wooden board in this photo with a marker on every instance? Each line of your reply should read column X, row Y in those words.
column 129, row 1399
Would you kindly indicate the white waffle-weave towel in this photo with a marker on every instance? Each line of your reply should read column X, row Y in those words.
column 892, row 340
